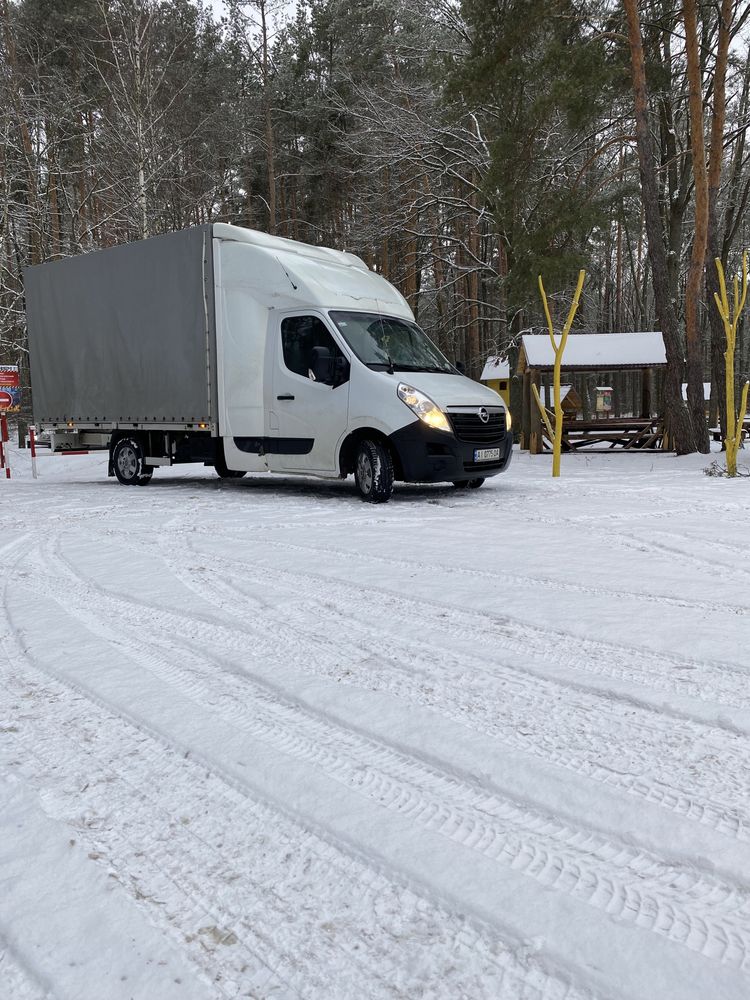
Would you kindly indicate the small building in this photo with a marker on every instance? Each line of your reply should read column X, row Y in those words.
column 496, row 375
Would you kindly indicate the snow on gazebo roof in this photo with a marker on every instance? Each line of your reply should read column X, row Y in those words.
column 495, row 367
column 594, row 351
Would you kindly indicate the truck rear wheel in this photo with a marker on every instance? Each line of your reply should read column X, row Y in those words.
column 127, row 461
column 373, row 471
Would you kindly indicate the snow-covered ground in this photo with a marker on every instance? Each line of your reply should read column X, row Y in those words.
column 258, row 739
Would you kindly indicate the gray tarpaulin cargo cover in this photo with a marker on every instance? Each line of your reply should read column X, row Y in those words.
column 125, row 335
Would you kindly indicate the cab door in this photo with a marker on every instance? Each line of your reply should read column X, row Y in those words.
column 307, row 416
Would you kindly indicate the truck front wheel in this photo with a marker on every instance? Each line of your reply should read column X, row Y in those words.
column 128, row 463
column 220, row 465
column 373, row 471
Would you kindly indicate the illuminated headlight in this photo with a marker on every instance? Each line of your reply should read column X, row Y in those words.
column 508, row 420
column 424, row 407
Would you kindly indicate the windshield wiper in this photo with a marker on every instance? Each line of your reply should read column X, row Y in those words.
column 423, row 368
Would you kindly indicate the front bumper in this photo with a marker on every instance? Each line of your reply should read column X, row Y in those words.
column 430, row 456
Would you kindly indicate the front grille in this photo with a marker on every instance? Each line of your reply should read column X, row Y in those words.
column 468, row 426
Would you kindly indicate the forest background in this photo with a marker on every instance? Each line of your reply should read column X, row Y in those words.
column 459, row 149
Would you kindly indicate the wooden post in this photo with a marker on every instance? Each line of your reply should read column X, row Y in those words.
column 526, row 411
column 535, row 424
column 646, row 392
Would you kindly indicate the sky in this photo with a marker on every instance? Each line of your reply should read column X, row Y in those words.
column 219, row 7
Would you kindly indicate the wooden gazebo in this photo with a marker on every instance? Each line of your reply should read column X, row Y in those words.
column 589, row 354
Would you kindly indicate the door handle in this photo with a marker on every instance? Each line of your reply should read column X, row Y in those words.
column 287, row 395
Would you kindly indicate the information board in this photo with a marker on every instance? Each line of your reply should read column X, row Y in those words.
column 10, row 389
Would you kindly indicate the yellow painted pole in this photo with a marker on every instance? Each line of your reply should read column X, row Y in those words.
column 734, row 425
column 559, row 348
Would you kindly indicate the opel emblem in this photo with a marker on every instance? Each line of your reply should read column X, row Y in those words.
column 484, row 416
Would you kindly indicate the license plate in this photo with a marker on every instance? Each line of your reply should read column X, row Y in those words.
column 486, row 454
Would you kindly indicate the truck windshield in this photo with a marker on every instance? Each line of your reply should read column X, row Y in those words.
column 390, row 343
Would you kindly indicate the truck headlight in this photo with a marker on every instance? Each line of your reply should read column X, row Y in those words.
column 424, row 407
column 508, row 420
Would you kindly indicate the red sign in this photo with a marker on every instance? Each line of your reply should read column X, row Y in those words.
column 10, row 389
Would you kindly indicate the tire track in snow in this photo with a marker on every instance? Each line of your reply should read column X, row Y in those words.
column 170, row 863
column 645, row 511
column 79, row 787
column 604, row 737
column 691, row 908
column 712, row 682
column 123, row 767
column 714, row 566
column 391, row 779
column 521, row 580
column 673, row 554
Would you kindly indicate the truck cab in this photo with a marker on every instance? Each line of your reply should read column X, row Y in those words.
column 351, row 383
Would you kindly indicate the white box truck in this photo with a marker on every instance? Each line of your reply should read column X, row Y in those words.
column 251, row 353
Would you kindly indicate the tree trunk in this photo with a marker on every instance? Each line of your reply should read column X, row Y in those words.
column 678, row 424
column 475, row 359
column 696, row 402
column 270, row 154
column 619, row 325
column 714, row 249
column 34, row 215
column 54, row 206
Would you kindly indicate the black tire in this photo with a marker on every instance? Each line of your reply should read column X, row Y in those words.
column 461, row 484
column 220, row 465
column 128, row 463
column 373, row 471
column 474, row 484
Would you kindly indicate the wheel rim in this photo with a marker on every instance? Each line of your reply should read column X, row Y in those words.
column 127, row 462
column 364, row 472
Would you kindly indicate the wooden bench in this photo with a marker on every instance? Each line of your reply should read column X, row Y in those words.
column 624, row 433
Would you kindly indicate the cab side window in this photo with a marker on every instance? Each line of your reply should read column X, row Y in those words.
column 299, row 336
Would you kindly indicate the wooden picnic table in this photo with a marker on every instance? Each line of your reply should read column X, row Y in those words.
column 626, row 433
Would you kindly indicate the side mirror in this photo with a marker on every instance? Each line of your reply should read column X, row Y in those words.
column 340, row 370
column 321, row 365
column 461, row 367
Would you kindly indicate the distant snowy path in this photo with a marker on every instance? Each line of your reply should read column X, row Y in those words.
column 258, row 739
